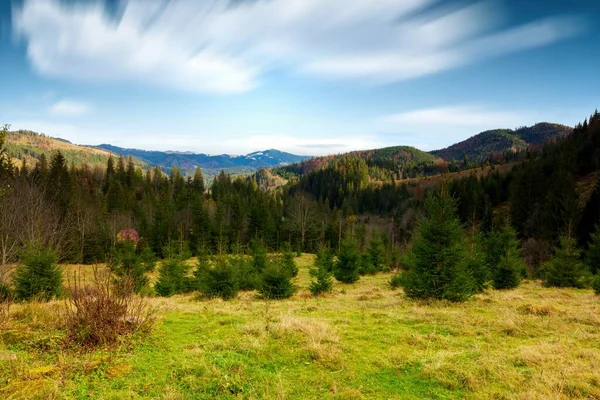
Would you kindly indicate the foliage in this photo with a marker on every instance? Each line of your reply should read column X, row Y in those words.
column 276, row 282
column 596, row 284
column 219, row 281
column 173, row 274
column 325, row 259
column 593, row 254
column 348, row 263
column 437, row 258
column 504, row 257
column 566, row 268
column 376, row 252
column 288, row 257
column 476, row 262
column 98, row 314
column 127, row 266
column 322, row 274
column 396, row 280
column 38, row 276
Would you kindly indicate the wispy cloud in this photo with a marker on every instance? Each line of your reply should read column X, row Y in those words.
column 226, row 46
column 438, row 127
column 70, row 108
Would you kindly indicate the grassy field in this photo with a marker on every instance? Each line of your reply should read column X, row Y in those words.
column 364, row 341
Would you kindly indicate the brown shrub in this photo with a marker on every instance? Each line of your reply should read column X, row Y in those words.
column 99, row 314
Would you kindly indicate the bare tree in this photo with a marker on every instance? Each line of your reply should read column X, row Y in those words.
column 9, row 224
column 302, row 216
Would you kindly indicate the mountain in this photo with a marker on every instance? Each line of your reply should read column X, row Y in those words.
column 29, row 146
column 498, row 141
column 210, row 164
column 388, row 158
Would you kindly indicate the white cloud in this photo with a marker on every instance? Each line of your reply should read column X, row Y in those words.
column 226, row 46
column 435, row 128
column 70, row 108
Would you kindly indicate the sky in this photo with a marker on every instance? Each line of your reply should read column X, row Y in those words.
column 309, row 77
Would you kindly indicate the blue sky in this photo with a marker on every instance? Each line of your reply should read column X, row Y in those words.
column 306, row 76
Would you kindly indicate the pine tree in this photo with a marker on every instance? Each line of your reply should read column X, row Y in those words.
column 504, row 257
column 218, row 281
column 38, row 276
column 477, row 262
column 376, row 252
column 172, row 278
column 288, row 260
column 346, row 268
column 127, row 265
column 436, row 261
column 593, row 254
column 566, row 268
column 276, row 282
column 322, row 274
column 325, row 259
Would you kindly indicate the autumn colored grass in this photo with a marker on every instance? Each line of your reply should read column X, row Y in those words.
column 364, row 341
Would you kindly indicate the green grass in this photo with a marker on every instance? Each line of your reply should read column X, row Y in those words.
column 364, row 341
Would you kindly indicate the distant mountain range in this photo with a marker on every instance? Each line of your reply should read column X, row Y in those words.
column 210, row 164
column 29, row 146
column 498, row 141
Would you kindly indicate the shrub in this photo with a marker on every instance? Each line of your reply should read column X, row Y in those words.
column 148, row 259
column 6, row 293
column 6, row 299
column 248, row 277
column 437, row 258
column 396, row 280
column 220, row 280
column 99, row 314
column 566, row 269
column 596, row 284
column 346, row 268
column 276, row 282
column 39, row 276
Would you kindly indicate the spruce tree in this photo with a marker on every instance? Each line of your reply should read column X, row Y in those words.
column 592, row 258
column 566, row 268
column 38, row 276
column 322, row 272
column 218, row 281
column 289, row 263
column 346, row 268
column 504, row 257
column 437, row 258
column 376, row 252
column 276, row 282
column 172, row 275
column 477, row 262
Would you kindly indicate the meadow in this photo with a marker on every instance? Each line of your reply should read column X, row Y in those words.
column 362, row 341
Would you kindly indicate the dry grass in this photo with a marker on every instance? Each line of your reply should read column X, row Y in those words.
column 362, row 341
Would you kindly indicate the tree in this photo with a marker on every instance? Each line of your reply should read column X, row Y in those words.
column 436, row 260
column 323, row 282
column 288, row 260
column 128, row 266
column 6, row 168
column 504, row 257
column 325, row 259
column 566, row 268
column 172, row 278
column 476, row 262
column 302, row 217
column 218, row 281
column 376, row 252
column 276, row 282
column 38, row 276
column 593, row 254
column 346, row 268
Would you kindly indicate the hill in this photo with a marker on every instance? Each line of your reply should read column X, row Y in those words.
column 29, row 146
column 499, row 141
column 210, row 164
column 389, row 158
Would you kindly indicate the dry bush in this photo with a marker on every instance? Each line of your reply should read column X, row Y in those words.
column 99, row 314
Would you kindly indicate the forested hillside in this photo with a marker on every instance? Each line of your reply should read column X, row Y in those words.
column 498, row 142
